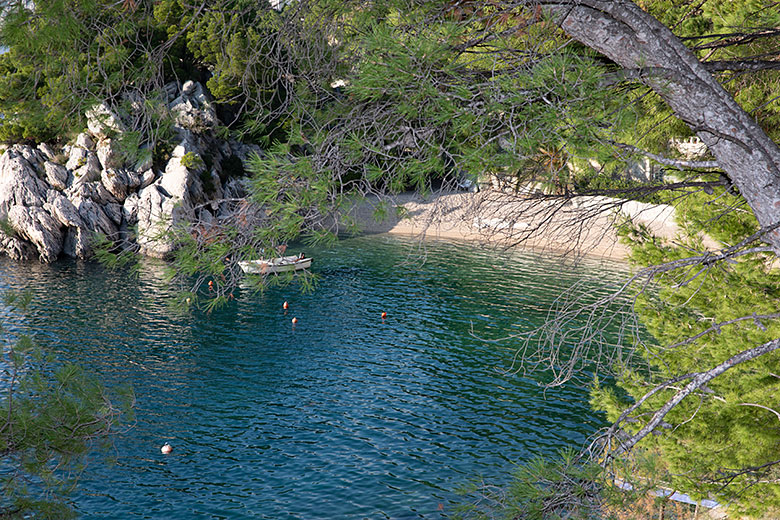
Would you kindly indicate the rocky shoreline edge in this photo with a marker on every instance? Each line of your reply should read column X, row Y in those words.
column 53, row 201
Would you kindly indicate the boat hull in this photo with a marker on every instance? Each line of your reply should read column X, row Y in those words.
column 275, row 265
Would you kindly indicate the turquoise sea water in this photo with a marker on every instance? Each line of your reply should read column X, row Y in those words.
column 344, row 415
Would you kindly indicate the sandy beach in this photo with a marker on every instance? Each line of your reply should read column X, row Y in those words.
column 584, row 226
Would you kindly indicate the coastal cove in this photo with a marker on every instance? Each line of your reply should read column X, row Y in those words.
column 387, row 260
column 344, row 415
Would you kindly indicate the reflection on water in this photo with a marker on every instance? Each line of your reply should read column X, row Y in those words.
column 344, row 416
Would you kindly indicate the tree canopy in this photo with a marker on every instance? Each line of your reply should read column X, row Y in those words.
column 355, row 98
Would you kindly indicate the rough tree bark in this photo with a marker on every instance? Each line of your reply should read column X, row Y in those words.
column 652, row 54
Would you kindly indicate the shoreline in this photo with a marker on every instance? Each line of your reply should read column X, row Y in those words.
column 584, row 227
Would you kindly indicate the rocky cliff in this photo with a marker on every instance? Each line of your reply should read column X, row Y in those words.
column 55, row 201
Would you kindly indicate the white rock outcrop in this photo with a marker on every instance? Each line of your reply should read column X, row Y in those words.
column 103, row 122
column 36, row 225
column 19, row 182
column 54, row 201
column 56, row 175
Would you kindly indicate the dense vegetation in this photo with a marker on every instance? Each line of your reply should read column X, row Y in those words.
column 353, row 98
column 723, row 440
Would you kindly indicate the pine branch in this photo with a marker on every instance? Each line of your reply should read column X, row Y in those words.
column 676, row 163
column 741, row 65
column 699, row 380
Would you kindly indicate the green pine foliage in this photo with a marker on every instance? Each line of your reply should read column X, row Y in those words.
column 426, row 101
column 731, row 425
column 543, row 488
column 694, row 22
column 64, row 57
column 232, row 46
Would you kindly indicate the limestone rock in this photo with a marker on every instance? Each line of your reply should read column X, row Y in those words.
column 189, row 87
column 83, row 140
column 77, row 243
column 62, row 209
column 182, row 183
column 233, row 189
column 48, row 152
column 97, row 211
column 103, row 122
column 244, row 151
column 156, row 214
column 95, row 218
column 236, row 188
column 108, row 154
column 88, row 172
column 147, row 178
column 36, row 225
column 130, row 209
column 134, row 180
column 186, row 145
column 19, row 182
column 224, row 148
column 31, row 155
column 59, row 198
column 216, row 183
column 114, row 212
column 171, row 89
column 17, row 249
column 193, row 110
column 94, row 191
column 119, row 182
column 77, row 157
column 56, row 175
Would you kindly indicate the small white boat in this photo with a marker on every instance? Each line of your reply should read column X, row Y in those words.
column 275, row 265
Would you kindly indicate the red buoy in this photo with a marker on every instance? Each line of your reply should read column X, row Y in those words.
column 294, row 321
column 384, row 315
column 285, row 305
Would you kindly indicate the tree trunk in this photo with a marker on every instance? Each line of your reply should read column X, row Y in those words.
column 626, row 34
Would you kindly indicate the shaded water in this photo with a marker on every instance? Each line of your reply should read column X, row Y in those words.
column 343, row 416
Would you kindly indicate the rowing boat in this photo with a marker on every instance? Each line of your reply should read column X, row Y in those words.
column 275, row 265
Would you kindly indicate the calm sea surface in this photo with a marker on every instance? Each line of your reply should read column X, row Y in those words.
column 344, row 416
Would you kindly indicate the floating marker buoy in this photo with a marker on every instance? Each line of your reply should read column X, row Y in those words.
column 211, row 285
column 384, row 315
column 285, row 305
column 166, row 449
column 188, row 300
column 294, row 321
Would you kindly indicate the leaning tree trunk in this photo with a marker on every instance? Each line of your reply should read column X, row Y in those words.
column 651, row 53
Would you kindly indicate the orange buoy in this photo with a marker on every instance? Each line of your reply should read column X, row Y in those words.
column 211, row 285
column 294, row 321
column 384, row 315
column 285, row 305
column 166, row 449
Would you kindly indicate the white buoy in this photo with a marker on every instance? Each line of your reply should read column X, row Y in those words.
column 166, row 448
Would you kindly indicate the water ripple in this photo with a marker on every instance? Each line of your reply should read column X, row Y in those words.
column 344, row 415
